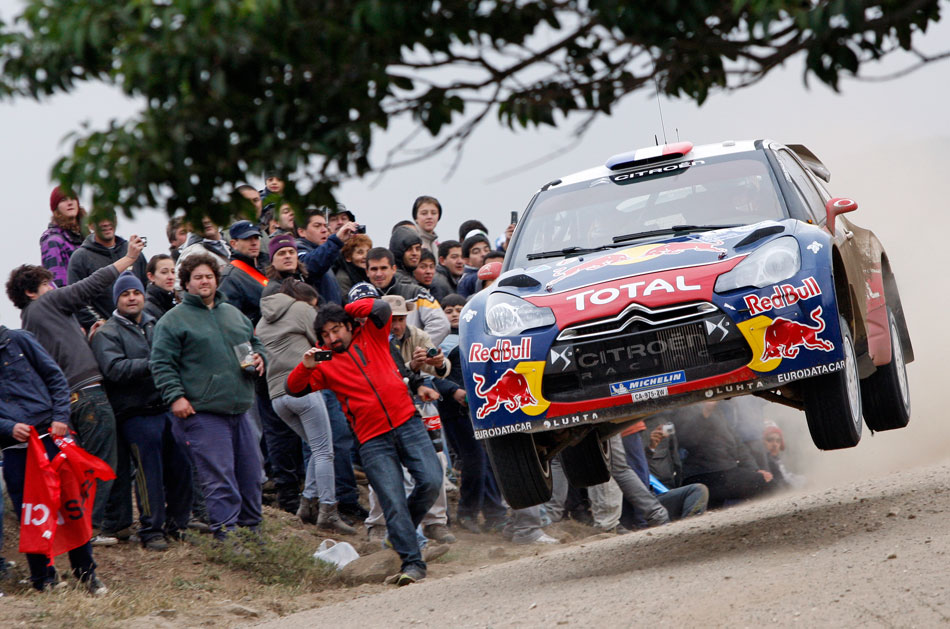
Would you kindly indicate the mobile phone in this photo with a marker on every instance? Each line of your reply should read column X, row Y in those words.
column 322, row 355
column 514, row 217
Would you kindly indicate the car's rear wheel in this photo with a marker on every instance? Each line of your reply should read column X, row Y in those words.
column 885, row 393
column 587, row 463
column 523, row 477
column 833, row 401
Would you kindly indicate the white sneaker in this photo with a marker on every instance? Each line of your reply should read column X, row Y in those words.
column 546, row 539
column 103, row 540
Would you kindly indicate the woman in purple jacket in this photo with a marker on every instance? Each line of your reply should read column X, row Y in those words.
column 64, row 234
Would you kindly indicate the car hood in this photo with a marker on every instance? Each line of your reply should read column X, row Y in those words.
column 638, row 258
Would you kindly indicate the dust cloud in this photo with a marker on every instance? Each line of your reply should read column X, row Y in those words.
column 899, row 188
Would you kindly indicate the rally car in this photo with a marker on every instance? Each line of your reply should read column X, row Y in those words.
column 672, row 275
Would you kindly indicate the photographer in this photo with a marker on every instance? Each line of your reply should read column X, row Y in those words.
column 361, row 372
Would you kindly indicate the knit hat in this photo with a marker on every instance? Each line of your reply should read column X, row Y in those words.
column 279, row 242
column 126, row 281
column 772, row 429
column 361, row 290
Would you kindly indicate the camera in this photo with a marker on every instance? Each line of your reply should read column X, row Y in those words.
column 360, row 229
column 432, row 352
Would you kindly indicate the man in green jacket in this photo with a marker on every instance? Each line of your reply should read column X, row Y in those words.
column 204, row 359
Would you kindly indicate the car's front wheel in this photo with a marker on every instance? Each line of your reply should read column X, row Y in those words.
column 833, row 401
column 523, row 477
column 885, row 393
column 587, row 463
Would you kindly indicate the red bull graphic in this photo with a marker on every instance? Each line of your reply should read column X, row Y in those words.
column 673, row 248
column 562, row 273
column 783, row 296
column 510, row 390
column 783, row 337
column 503, row 351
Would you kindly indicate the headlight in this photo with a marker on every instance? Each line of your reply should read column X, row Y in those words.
column 775, row 262
column 507, row 315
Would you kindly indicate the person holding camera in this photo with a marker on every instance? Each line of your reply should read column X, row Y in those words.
column 319, row 249
column 360, row 370
column 204, row 360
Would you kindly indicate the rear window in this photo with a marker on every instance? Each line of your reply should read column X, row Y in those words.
column 734, row 189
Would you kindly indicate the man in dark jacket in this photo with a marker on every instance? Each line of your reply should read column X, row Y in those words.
column 203, row 361
column 318, row 250
column 427, row 314
column 363, row 375
column 122, row 348
column 451, row 265
column 51, row 316
column 242, row 281
column 101, row 248
column 406, row 246
column 34, row 393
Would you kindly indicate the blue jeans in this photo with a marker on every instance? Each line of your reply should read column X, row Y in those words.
column 383, row 459
column 307, row 417
column 283, row 454
column 162, row 474
column 41, row 574
column 478, row 492
column 228, row 463
column 685, row 501
column 343, row 444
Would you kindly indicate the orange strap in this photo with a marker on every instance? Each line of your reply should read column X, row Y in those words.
column 247, row 268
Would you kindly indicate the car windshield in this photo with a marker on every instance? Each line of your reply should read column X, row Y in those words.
column 725, row 190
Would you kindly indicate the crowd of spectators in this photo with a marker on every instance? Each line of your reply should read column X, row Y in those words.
column 269, row 361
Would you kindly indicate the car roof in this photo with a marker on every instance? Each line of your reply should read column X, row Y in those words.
column 702, row 151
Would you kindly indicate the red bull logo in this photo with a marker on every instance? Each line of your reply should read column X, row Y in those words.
column 511, row 390
column 673, row 248
column 503, row 351
column 783, row 338
column 783, row 296
column 562, row 273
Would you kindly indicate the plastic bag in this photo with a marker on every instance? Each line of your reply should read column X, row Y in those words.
column 337, row 553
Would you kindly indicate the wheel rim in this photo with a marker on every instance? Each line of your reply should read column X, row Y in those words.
column 851, row 376
column 897, row 359
column 544, row 466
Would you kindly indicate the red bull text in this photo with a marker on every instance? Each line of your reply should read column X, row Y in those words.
column 783, row 296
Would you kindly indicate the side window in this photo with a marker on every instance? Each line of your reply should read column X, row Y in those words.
column 804, row 186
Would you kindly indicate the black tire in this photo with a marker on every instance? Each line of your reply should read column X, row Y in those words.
column 588, row 462
column 833, row 401
column 885, row 394
column 523, row 478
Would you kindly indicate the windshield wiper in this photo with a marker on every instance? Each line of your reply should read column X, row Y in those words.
column 675, row 229
column 567, row 251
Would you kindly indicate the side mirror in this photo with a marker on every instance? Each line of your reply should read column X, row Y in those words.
column 837, row 206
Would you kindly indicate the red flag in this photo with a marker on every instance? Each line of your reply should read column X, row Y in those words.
column 78, row 472
column 41, row 499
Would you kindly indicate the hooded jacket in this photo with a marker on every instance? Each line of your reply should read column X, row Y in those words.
column 33, row 389
column 57, row 245
column 193, row 356
column 286, row 330
column 318, row 260
column 364, row 377
column 51, row 318
column 401, row 240
column 91, row 257
column 122, row 349
column 427, row 314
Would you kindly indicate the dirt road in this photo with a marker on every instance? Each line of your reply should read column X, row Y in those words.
column 869, row 554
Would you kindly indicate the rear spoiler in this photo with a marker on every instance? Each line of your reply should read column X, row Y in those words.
column 811, row 160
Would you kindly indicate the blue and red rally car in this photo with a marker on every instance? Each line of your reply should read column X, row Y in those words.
column 672, row 275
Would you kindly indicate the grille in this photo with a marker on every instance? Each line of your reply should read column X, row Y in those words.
column 636, row 317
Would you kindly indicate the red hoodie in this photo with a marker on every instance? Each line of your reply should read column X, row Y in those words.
column 364, row 377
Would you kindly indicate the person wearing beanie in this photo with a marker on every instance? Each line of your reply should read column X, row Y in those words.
column 284, row 263
column 63, row 235
column 427, row 212
column 100, row 249
column 163, row 491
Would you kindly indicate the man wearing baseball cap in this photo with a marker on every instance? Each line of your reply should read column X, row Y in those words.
column 243, row 280
column 339, row 216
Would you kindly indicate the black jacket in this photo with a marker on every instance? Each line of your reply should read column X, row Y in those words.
column 122, row 349
column 158, row 301
column 710, row 444
column 91, row 257
column 242, row 290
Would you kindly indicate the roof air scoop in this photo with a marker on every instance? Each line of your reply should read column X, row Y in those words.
column 649, row 155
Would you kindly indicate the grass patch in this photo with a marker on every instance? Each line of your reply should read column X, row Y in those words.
column 269, row 559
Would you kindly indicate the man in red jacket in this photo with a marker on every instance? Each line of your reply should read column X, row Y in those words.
column 376, row 402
